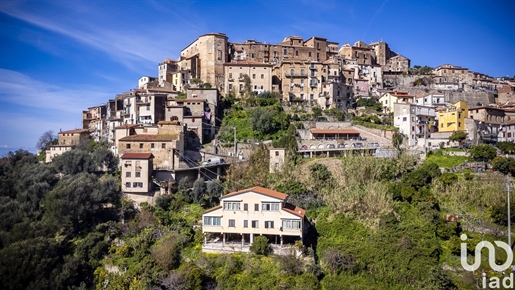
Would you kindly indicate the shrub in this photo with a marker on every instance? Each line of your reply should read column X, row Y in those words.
column 260, row 246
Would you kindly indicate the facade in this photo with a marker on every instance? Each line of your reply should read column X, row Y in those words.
column 136, row 176
column 147, row 82
column 361, row 52
column 165, row 142
column 67, row 140
column 245, row 214
column 453, row 117
column 204, row 58
column 94, row 120
column 301, row 80
column 416, row 122
column 397, row 63
column 260, row 76
column 165, row 72
column 432, row 99
column 487, row 114
column 388, row 100
column 277, row 156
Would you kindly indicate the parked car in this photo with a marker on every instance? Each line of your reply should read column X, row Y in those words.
column 331, row 146
column 321, row 146
column 213, row 161
column 374, row 144
column 357, row 145
column 304, row 147
column 341, row 145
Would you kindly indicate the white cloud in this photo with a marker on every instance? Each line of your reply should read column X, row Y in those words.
column 19, row 89
column 134, row 48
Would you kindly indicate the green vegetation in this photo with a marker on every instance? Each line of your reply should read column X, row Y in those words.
column 419, row 70
column 262, row 119
column 506, row 147
column 458, row 136
column 377, row 224
column 483, row 152
column 370, row 103
column 446, row 161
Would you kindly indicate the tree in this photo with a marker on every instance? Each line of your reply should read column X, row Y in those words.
column 263, row 121
column 260, row 246
column 483, row 152
column 458, row 136
column 397, row 140
column 506, row 147
column 502, row 164
column 46, row 140
column 317, row 112
column 199, row 188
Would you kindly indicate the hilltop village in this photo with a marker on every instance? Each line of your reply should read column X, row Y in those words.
column 297, row 165
column 165, row 122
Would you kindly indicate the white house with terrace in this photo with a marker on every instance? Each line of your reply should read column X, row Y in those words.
column 245, row 214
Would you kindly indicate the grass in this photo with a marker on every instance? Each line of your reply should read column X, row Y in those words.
column 446, row 161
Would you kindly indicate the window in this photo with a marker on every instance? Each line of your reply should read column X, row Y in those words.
column 138, row 174
column 128, row 146
column 269, row 206
column 152, row 145
column 148, row 107
column 269, row 225
column 253, row 76
column 276, row 165
column 285, row 51
column 140, row 145
column 245, row 206
column 245, row 223
column 276, row 153
column 309, row 54
column 230, row 87
column 232, row 223
column 255, row 224
column 212, row 221
column 262, row 76
column 137, row 184
column 230, row 75
column 231, row 205
column 127, row 174
column 297, row 52
column 291, row 224
column 163, row 145
column 256, row 207
column 404, row 119
column 127, row 184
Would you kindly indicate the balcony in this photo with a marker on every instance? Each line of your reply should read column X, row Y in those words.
column 313, row 83
column 296, row 74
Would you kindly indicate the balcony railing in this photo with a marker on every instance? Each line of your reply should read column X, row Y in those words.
column 296, row 74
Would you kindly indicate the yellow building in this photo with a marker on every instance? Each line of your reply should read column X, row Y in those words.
column 453, row 118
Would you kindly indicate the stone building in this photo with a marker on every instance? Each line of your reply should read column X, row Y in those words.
column 94, row 120
column 204, row 58
column 67, row 141
column 137, row 177
column 260, row 76
column 361, row 52
column 277, row 156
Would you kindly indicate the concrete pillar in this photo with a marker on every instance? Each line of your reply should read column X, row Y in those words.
column 218, row 172
column 205, row 239
column 310, row 154
column 275, row 240
column 281, row 240
column 327, row 153
column 251, row 238
column 223, row 239
column 242, row 241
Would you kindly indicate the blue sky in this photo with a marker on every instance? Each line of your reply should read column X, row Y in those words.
column 61, row 57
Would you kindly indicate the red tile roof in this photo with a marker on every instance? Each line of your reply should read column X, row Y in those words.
column 212, row 209
column 150, row 137
column 137, row 156
column 74, row 131
column 261, row 190
column 126, row 126
column 333, row 131
column 294, row 210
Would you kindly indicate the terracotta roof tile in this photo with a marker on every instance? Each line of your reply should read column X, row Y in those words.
column 74, row 131
column 126, row 126
column 334, row 131
column 294, row 210
column 212, row 209
column 150, row 137
column 129, row 155
column 261, row 190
